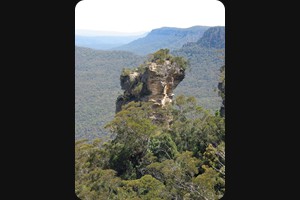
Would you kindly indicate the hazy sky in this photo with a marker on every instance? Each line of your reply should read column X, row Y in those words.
column 145, row 15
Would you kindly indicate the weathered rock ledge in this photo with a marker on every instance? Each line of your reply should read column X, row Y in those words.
column 154, row 81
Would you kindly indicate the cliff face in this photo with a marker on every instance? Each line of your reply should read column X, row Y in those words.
column 221, row 87
column 155, row 82
column 214, row 37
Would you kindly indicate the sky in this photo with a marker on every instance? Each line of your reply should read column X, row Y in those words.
column 137, row 16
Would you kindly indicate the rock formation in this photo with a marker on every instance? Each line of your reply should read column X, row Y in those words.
column 154, row 81
column 221, row 87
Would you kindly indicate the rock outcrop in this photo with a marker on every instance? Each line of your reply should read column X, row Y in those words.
column 221, row 87
column 154, row 81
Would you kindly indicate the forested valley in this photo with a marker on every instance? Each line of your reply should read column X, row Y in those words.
column 97, row 74
column 167, row 140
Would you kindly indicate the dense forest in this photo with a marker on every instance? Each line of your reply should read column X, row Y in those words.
column 96, row 88
column 97, row 73
column 145, row 159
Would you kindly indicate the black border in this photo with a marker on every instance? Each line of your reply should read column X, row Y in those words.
column 37, row 136
column 39, row 159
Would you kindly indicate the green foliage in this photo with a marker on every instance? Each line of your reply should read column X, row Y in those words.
column 160, row 56
column 91, row 180
column 185, row 160
column 126, row 72
column 138, row 88
column 141, row 68
column 205, row 184
column 194, row 127
column 147, row 188
column 99, row 184
column 163, row 147
column 133, row 129
column 89, row 155
column 214, row 157
column 176, row 174
column 182, row 62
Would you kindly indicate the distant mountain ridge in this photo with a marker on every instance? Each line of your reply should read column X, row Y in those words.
column 84, row 32
column 104, row 42
column 165, row 37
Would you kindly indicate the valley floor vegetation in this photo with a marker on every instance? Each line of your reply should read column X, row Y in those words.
column 184, row 160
